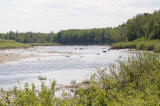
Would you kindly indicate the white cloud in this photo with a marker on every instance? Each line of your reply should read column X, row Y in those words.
column 47, row 15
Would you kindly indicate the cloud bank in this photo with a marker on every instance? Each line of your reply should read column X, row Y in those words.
column 55, row 15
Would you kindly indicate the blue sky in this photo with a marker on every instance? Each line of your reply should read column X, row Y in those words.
column 55, row 15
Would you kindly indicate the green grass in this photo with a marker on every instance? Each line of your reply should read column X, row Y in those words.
column 46, row 44
column 8, row 44
column 149, row 45
column 131, row 82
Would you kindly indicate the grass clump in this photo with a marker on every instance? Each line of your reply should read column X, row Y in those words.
column 29, row 96
column 8, row 44
column 131, row 82
column 149, row 45
column 41, row 78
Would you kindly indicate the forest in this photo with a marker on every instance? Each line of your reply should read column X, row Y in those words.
column 146, row 26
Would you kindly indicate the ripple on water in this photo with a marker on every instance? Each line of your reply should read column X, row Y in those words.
column 62, row 63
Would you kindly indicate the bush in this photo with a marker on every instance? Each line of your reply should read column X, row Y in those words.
column 131, row 82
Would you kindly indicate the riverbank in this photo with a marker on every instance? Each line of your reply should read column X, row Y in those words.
column 32, row 53
column 17, row 54
column 10, row 44
column 140, row 44
column 46, row 44
column 10, row 57
column 37, row 53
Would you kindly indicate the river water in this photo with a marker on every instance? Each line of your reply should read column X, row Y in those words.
column 62, row 63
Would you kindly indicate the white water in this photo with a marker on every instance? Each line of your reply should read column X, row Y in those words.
column 62, row 63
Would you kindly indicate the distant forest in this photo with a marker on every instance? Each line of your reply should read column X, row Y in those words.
column 145, row 25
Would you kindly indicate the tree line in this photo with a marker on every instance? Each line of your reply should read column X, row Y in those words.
column 28, row 37
column 145, row 25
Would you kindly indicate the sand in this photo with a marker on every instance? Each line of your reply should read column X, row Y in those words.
column 34, row 53
column 13, row 55
column 10, row 57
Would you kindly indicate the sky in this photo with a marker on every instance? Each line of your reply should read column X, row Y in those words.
column 55, row 15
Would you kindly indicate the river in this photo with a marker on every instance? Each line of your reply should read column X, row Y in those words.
column 62, row 63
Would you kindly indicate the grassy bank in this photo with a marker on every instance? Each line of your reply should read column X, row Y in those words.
column 134, row 82
column 149, row 45
column 8, row 44
column 46, row 44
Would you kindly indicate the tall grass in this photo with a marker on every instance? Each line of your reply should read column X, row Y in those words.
column 7, row 44
column 149, row 45
column 46, row 44
column 131, row 82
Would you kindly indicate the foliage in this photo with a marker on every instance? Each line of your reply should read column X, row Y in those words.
column 28, row 37
column 130, row 82
column 150, row 45
column 88, row 36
